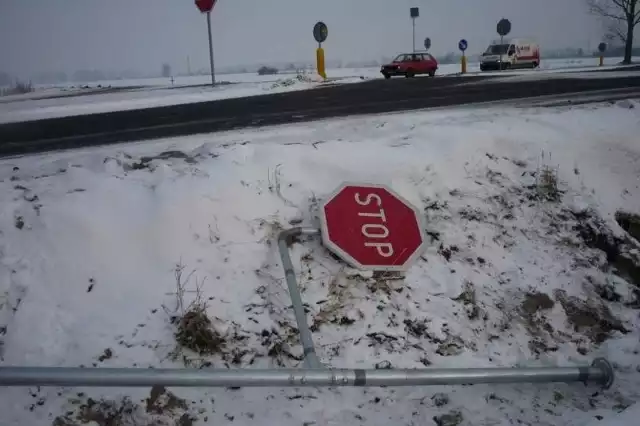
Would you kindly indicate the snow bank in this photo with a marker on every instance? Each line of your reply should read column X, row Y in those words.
column 63, row 105
column 94, row 241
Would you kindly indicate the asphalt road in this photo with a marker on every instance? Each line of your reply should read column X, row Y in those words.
column 375, row 96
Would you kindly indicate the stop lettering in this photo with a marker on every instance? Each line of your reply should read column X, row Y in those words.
column 372, row 227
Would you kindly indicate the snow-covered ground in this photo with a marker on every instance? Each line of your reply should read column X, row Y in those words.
column 94, row 241
column 28, row 108
column 104, row 96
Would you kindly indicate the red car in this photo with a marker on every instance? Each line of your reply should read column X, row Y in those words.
column 410, row 65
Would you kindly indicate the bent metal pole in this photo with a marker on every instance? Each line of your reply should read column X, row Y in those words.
column 600, row 372
column 285, row 238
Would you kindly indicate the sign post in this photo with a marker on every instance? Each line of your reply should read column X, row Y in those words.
column 504, row 28
column 205, row 6
column 371, row 227
column 320, row 33
column 415, row 13
column 462, row 45
column 602, row 47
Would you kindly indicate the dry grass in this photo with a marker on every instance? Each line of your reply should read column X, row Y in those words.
column 194, row 330
column 547, row 180
column 18, row 88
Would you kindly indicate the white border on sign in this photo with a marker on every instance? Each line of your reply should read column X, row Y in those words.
column 348, row 258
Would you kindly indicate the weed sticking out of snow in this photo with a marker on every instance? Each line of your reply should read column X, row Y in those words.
column 194, row 330
column 522, row 268
column 547, row 180
column 196, row 333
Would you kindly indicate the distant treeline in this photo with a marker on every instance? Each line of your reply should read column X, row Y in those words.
column 618, row 51
column 448, row 58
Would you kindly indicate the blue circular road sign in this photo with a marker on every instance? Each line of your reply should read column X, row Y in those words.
column 462, row 45
column 320, row 32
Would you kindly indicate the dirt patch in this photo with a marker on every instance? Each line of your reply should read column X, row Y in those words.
column 452, row 418
column 417, row 328
column 473, row 214
column 167, row 155
column 107, row 413
column 593, row 319
column 468, row 299
column 331, row 309
column 127, row 162
column 163, row 408
column 452, row 346
column 447, row 252
column 278, row 344
column 535, row 302
column 107, row 354
column 19, row 222
column 533, row 310
column 440, row 399
column 161, row 401
column 621, row 253
column 629, row 222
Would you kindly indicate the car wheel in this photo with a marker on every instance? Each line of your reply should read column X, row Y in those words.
column 432, row 73
column 386, row 76
column 536, row 65
column 410, row 73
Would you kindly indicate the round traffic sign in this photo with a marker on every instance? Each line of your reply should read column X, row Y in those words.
column 320, row 32
column 427, row 43
column 602, row 47
column 205, row 5
column 504, row 27
column 462, row 45
column 372, row 227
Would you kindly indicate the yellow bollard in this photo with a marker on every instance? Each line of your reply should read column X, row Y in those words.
column 463, row 63
column 601, row 60
column 320, row 62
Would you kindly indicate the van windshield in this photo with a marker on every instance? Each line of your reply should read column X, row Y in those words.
column 497, row 49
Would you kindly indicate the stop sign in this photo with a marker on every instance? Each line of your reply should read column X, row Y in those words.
column 205, row 5
column 372, row 227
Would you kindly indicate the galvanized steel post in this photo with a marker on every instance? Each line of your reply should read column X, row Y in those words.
column 600, row 372
column 213, row 71
column 284, row 239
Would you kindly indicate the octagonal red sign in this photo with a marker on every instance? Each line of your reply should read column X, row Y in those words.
column 372, row 227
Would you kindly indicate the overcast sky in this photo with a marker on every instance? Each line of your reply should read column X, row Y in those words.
column 67, row 35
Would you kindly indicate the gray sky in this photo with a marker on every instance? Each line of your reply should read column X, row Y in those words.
column 66, row 35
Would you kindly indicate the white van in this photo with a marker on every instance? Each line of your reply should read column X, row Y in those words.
column 516, row 53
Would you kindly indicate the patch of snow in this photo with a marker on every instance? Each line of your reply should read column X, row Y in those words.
column 627, row 418
column 91, row 241
column 35, row 109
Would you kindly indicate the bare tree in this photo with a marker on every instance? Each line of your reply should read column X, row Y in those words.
column 622, row 17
